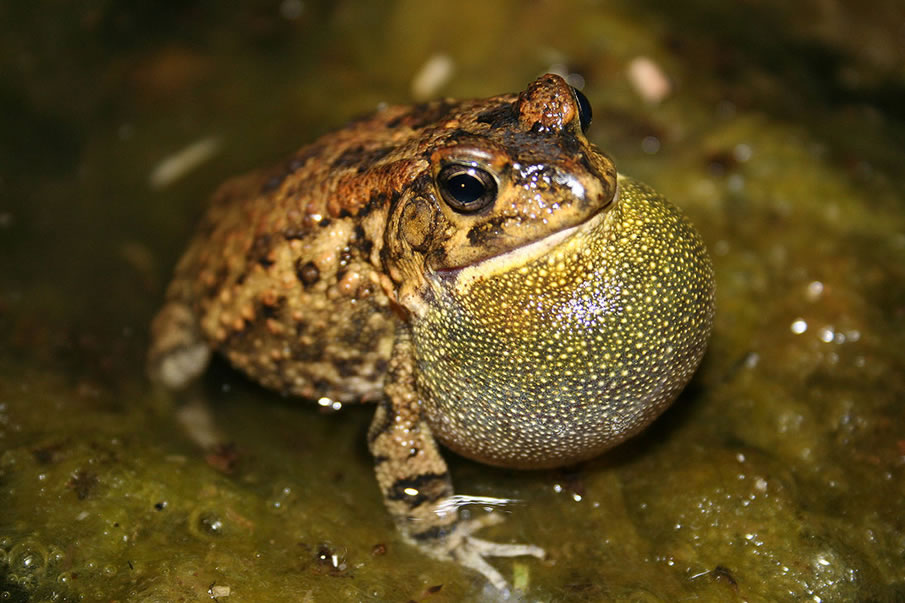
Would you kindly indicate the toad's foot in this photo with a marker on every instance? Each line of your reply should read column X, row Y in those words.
column 471, row 552
column 178, row 354
column 416, row 485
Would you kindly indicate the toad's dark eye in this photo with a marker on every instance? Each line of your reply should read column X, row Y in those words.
column 584, row 110
column 466, row 188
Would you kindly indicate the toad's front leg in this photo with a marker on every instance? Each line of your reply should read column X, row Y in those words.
column 415, row 482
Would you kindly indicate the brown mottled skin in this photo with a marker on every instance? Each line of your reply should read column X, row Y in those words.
column 477, row 267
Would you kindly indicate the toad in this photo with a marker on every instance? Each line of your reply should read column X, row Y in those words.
column 477, row 268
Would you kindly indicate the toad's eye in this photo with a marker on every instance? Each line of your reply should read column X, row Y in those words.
column 584, row 110
column 466, row 188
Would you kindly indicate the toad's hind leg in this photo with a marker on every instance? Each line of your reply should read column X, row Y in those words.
column 415, row 482
column 177, row 356
column 178, row 353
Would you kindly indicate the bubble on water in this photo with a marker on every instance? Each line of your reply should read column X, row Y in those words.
column 27, row 582
column 28, row 558
column 55, row 555
column 207, row 522
column 211, row 523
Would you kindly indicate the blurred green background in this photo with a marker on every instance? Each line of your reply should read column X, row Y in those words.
column 778, row 475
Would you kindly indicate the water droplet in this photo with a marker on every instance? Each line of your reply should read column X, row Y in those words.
column 799, row 326
column 827, row 334
column 814, row 291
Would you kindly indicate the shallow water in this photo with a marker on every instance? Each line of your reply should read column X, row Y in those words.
column 778, row 475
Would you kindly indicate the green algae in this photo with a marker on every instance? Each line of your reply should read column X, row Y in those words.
column 777, row 476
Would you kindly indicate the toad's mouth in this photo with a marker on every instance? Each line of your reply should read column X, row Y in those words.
column 525, row 254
